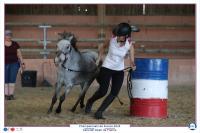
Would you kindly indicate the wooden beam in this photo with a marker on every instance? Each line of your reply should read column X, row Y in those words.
column 56, row 40
column 24, row 24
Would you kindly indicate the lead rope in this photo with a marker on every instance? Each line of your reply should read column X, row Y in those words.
column 129, row 84
column 121, row 103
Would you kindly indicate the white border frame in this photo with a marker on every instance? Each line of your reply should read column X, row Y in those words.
column 123, row 128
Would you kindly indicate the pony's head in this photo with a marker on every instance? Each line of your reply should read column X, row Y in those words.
column 66, row 43
column 68, row 36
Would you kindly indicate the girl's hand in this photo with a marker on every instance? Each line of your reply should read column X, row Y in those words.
column 132, row 42
column 133, row 66
column 22, row 66
column 99, row 61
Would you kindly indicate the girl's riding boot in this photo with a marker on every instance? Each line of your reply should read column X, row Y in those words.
column 104, row 105
column 88, row 106
column 90, row 101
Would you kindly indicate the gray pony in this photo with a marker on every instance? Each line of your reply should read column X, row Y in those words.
column 74, row 68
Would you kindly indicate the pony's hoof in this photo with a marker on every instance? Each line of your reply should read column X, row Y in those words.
column 73, row 110
column 82, row 105
column 49, row 111
column 58, row 111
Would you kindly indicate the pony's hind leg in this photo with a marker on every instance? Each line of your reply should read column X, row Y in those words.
column 54, row 98
column 82, row 105
column 82, row 94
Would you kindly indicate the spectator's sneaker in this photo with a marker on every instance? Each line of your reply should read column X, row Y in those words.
column 12, row 97
column 7, row 97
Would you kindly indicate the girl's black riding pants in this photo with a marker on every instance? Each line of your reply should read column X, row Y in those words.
column 105, row 76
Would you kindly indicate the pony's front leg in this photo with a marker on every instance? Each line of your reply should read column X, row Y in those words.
column 53, row 101
column 54, row 98
column 62, row 98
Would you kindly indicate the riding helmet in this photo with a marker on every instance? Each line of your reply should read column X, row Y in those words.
column 122, row 29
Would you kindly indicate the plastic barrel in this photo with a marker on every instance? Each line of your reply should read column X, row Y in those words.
column 29, row 78
column 149, row 88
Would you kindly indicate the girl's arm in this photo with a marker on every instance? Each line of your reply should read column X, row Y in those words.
column 102, row 49
column 19, row 55
column 132, row 56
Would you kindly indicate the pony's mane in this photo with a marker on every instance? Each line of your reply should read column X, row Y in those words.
column 66, row 35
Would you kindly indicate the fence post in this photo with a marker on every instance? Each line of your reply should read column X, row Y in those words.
column 45, row 52
column 101, row 22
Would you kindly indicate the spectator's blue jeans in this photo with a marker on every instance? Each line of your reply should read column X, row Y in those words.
column 11, row 71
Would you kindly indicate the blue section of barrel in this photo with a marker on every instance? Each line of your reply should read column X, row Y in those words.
column 151, row 68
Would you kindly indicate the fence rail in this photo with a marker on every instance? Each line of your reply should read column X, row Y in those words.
column 139, row 50
column 97, row 40
column 28, row 24
column 160, row 47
